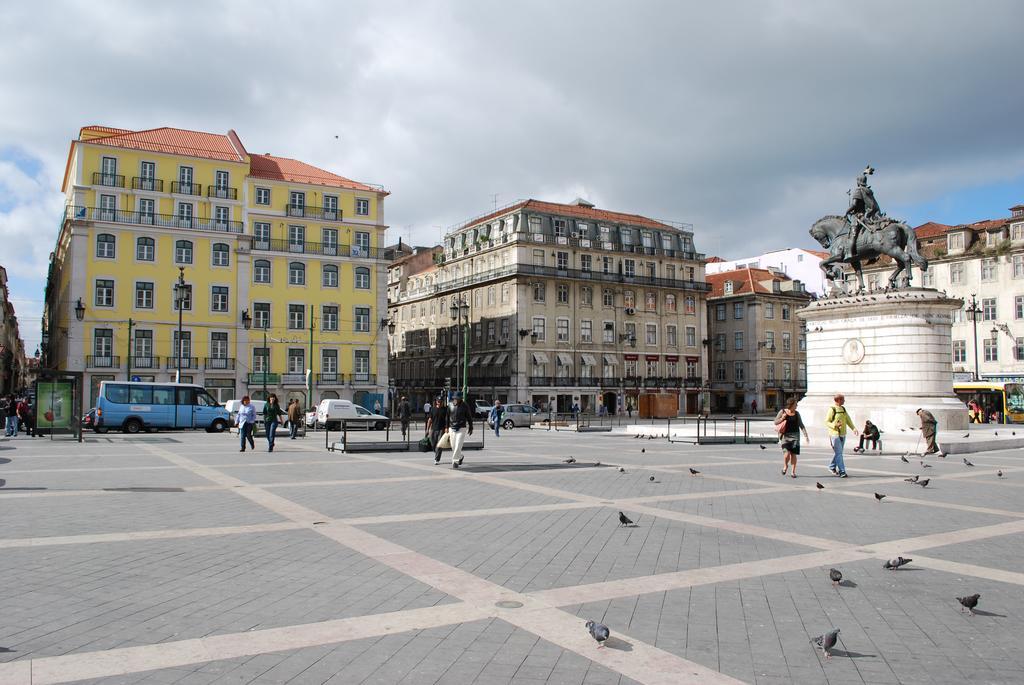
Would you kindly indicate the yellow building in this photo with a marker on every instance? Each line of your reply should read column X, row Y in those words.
column 268, row 248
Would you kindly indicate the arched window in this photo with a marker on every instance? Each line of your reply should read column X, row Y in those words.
column 261, row 271
column 221, row 254
column 105, row 245
column 362, row 278
column 183, row 252
column 145, row 249
column 296, row 273
column 330, row 276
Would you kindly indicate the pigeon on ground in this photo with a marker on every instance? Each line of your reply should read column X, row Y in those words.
column 893, row 564
column 762, row 447
column 622, row 470
column 819, row 485
column 570, row 460
column 999, row 473
column 924, row 465
column 879, row 497
column 912, row 480
column 1013, row 432
column 967, row 435
column 967, row 463
column 827, row 642
column 597, row 463
column 995, row 432
column 904, row 460
column 924, row 482
column 835, row 575
column 694, row 472
column 643, row 450
column 599, row 632
column 968, row 602
column 624, row 520
column 652, row 479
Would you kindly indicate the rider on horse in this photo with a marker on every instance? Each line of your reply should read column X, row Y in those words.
column 863, row 211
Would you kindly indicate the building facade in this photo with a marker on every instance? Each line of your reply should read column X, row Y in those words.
column 556, row 305
column 983, row 264
column 758, row 344
column 14, row 365
column 269, row 248
column 795, row 262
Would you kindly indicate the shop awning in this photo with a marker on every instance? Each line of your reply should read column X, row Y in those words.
column 652, row 357
column 440, row 362
column 564, row 359
column 671, row 357
column 588, row 360
column 539, row 358
column 630, row 357
column 474, row 360
column 610, row 360
column 502, row 358
column 486, row 360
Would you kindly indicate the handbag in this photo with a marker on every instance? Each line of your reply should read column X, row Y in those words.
column 780, row 427
column 424, row 444
column 444, row 442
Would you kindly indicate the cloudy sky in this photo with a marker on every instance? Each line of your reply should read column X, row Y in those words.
column 747, row 119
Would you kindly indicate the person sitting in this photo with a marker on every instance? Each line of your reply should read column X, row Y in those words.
column 869, row 434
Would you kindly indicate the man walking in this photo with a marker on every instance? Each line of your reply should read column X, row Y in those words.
column 294, row 416
column 437, row 424
column 929, row 426
column 495, row 417
column 405, row 416
column 838, row 420
column 11, row 427
column 460, row 425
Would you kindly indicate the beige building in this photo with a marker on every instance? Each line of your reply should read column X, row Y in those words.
column 758, row 344
column 565, row 303
column 13, row 363
column 983, row 264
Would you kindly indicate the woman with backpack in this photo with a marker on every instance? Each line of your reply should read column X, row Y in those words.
column 789, row 426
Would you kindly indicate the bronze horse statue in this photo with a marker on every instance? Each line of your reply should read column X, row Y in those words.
column 896, row 239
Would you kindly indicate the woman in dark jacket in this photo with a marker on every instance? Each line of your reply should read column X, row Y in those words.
column 271, row 410
column 790, row 425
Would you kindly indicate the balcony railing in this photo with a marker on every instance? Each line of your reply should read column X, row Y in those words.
column 220, row 363
column 293, row 379
column 587, row 381
column 309, row 212
column 222, row 192
column 191, row 363
column 363, row 379
column 260, row 378
column 539, row 380
column 145, row 362
column 612, row 382
column 146, row 183
column 110, row 180
column 120, row 216
column 331, row 249
column 179, row 188
column 330, row 379
column 103, row 362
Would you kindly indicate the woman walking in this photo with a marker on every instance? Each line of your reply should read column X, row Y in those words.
column 271, row 410
column 790, row 425
column 245, row 421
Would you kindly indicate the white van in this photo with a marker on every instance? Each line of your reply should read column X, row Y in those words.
column 233, row 406
column 331, row 413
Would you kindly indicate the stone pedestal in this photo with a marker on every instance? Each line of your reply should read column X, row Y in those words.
column 889, row 354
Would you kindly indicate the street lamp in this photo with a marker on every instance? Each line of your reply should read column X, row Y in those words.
column 179, row 301
column 973, row 310
column 459, row 310
column 79, row 310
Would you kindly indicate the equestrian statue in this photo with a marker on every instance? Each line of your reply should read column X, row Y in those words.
column 864, row 234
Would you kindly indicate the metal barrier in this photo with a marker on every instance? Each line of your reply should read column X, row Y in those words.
column 406, row 444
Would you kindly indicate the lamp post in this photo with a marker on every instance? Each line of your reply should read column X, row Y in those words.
column 179, row 300
column 973, row 310
column 460, row 310
column 79, row 310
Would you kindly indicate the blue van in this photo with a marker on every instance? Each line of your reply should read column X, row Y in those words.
column 133, row 407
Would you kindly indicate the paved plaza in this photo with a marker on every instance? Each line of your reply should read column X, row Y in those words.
column 173, row 558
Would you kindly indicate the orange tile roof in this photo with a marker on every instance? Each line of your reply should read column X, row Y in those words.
column 714, row 259
column 745, row 281
column 176, row 141
column 285, row 169
column 591, row 213
column 819, row 253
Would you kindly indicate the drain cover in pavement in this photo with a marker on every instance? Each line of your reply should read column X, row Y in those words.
column 508, row 604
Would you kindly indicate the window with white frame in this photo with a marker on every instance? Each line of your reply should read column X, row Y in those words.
column 362, row 275
column 608, row 332
column 988, row 269
column 143, row 295
column 296, row 317
column 330, row 207
column 1018, row 349
column 720, row 371
column 956, row 272
column 769, row 371
column 221, row 216
column 769, row 310
column 261, row 234
column 562, row 330
column 219, row 298
column 185, row 211
column 691, row 336
column 261, row 315
column 296, row 273
column 628, row 299
column 631, row 333
column 103, row 342
column 586, row 296
column 329, row 361
column 671, row 335
column 785, row 312
column 988, row 309
column 221, row 254
column 739, row 371
column 1018, row 307
column 262, row 196
column 104, row 292
column 329, row 241
column 787, row 341
column 719, row 312
column 955, row 242
column 105, row 246
column 218, row 345
column 670, row 303
column 539, row 291
column 652, row 368
column 561, row 261
column 296, row 238
column 651, row 334
column 145, row 249
column 691, row 305
column 183, row 252
column 362, row 206
column 361, row 364
column 330, row 276
column 505, row 293
column 991, row 348
column 737, row 310
column 1017, row 232
column 261, row 271
column 629, row 267
column 539, row 324
column 586, row 331
column 586, row 263
column 959, row 351
column 720, row 342
column 787, row 372
column 562, row 293
column 296, row 360
column 362, row 320
column 1018, row 265
column 607, row 297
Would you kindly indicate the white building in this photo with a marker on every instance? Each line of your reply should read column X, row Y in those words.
column 796, row 263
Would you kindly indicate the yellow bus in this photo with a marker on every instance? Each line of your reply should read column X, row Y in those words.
column 1006, row 400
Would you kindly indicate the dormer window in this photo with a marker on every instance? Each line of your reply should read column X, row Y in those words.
column 955, row 241
column 728, row 287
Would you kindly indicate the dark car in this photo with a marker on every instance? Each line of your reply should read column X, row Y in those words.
column 89, row 420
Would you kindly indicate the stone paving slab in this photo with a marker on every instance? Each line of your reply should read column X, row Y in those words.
column 609, row 483
column 120, row 512
column 105, row 595
column 99, row 479
column 343, row 501
column 1003, row 552
column 959, row 491
column 896, row 627
column 529, row 552
column 301, row 472
column 852, row 519
column 41, row 459
column 490, row 651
